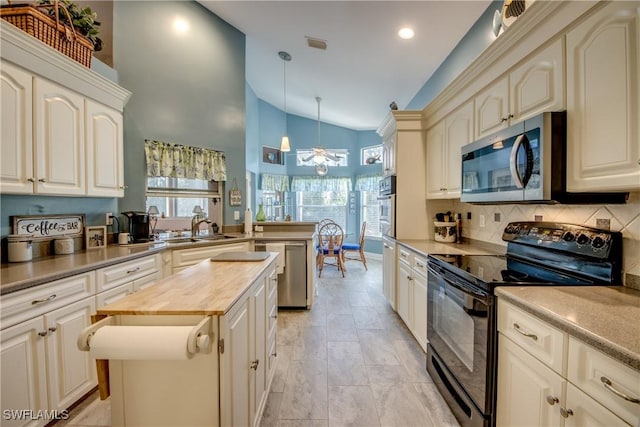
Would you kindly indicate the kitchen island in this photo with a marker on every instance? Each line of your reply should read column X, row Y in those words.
column 219, row 374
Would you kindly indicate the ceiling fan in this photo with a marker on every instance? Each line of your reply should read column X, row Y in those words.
column 320, row 154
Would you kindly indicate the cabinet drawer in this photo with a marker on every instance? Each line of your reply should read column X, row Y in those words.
column 26, row 304
column 405, row 256
column 589, row 369
column 420, row 265
column 113, row 295
column 119, row 274
column 186, row 257
column 543, row 341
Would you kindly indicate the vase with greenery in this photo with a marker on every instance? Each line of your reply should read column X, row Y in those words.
column 82, row 19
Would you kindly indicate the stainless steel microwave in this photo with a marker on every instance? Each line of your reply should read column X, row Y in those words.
column 524, row 163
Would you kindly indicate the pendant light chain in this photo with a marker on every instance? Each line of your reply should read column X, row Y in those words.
column 284, row 145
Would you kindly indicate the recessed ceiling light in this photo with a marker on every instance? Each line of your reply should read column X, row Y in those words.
column 180, row 25
column 406, row 33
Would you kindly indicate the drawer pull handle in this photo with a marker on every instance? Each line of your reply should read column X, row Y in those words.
column 532, row 336
column 49, row 298
column 43, row 333
column 566, row 413
column 42, row 180
column 133, row 271
column 420, row 265
column 254, row 364
column 606, row 382
column 53, row 329
column 552, row 400
column 31, row 179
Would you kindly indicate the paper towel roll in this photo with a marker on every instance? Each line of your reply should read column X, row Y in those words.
column 141, row 343
column 248, row 221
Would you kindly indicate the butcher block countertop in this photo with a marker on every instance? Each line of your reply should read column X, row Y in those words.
column 207, row 288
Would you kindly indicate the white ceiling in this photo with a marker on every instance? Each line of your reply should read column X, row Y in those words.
column 366, row 65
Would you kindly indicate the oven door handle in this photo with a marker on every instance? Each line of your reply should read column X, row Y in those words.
column 467, row 288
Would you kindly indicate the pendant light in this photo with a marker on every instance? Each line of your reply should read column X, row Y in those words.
column 284, row 144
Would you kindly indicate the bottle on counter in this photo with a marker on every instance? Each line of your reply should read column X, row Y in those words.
column 458, row 228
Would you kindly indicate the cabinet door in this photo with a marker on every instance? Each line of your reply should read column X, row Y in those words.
column 389, row 155
column 24, row 384
column 527, row 390
column 419, row 306
column 492, row 108
column 603, row 93
column 537, row 85
column 71, row 372
column 583, row 411
column 16, row 160
column 435, row 168
column 458, row 132
column 235, row 367
column 104, row 142
column 59, row 126
column 272, row 329
column 259, row 356
column 389, row 271
column 404, row 292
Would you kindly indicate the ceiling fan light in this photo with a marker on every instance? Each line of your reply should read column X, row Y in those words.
column 284, row 144
column 318, row 159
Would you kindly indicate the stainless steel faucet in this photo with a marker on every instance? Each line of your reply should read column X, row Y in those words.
column 196, row 220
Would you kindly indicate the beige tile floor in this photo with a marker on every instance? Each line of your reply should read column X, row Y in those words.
column 350, row 361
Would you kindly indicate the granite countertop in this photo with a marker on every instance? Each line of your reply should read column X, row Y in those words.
column 605, row 317
column 207, row 288
column 22, row 275
column 474, row 247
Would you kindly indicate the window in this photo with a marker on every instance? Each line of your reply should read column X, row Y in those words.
column 176, row 197
column 370, row 212
column 317, row 205
column 371, row 155
column 309, row 158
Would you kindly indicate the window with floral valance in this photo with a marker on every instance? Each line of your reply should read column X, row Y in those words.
column 321, row 183
column 271, row 182
column 182, row 161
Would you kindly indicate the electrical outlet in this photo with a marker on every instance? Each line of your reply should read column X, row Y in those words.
column 236, row 215
column 603, row 223
column 496, row 216
column 481, row 220
column 109, row 220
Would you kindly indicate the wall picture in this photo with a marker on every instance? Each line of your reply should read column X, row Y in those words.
column 96, row 237
column 272, row 155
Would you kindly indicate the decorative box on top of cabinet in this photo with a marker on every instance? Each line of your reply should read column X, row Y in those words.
column 535, row 85
column 603, row 100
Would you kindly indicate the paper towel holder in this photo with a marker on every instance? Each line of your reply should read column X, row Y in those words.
column 199, row 340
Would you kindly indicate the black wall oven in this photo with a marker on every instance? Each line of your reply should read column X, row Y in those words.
column 461, row 311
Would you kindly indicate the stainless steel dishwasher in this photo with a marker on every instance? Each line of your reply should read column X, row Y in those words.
column 292, row 283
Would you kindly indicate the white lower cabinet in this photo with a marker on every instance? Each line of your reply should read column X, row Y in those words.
column 412, row 293
column 42, row 368
column 389, row 270
column 533, row 392
column 246, row 364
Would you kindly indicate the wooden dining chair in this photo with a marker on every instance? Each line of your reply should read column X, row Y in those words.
column 355, row 249
column 330, row 238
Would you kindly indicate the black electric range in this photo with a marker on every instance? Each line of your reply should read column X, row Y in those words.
column 461, row 313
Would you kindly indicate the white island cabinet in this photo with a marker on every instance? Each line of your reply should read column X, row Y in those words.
column 225, row 377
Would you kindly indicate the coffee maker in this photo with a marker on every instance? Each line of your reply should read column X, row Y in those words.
column 138, row 226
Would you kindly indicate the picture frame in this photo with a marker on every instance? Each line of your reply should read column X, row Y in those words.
column 95, row 237
column 272, row 155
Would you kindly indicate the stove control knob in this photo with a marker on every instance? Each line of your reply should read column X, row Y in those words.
column 583, row 238
column 598, row 241
column 568, row 236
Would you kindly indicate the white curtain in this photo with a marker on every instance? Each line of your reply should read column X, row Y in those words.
column 271, row 182
column 321, row 183
column 369, row 182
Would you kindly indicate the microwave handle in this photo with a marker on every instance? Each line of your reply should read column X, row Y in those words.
column 521, row 180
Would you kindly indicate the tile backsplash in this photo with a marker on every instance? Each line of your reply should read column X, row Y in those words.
column 624, row 218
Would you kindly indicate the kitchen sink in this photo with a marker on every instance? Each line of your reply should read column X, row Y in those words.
column 183, row 240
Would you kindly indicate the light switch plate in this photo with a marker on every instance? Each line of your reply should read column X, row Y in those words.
column 236, row 215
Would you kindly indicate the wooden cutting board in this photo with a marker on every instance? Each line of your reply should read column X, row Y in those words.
column 241, row 256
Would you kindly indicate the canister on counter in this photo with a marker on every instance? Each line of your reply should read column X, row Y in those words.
column 20, row 247
column 63, row 246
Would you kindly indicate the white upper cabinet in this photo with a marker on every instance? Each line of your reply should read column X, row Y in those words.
column 16, row 143
column 444, row 147
column 105, row 169
column 602, row 101
column 59, row 119
column 537, row 85
column 532, row 87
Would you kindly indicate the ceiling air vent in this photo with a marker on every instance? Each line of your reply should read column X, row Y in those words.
column 316, row 43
